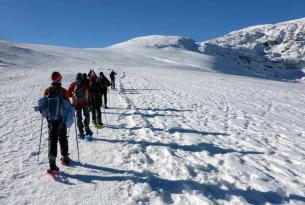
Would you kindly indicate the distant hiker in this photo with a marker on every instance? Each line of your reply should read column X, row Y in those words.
column 56, row 98
column 96, row 101
column 112, row 78
column 85, row 76
column 80, row 91
column 103, row 83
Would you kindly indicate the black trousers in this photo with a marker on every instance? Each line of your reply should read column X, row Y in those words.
column 104, row 93
column 57, row 132
column 96, row 107
column 80, row 110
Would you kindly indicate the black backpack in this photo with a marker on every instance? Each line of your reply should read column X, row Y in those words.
column 80, row 91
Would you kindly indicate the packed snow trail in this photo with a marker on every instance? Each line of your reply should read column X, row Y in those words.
column 174, row 137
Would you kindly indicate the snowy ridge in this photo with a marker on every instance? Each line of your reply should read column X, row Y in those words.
column 272, row 51
column 159, row 41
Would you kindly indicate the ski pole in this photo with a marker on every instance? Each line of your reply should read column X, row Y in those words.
column 39, row 146
column 76, row 137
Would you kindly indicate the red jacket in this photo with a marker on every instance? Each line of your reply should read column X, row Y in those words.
column 71, row 90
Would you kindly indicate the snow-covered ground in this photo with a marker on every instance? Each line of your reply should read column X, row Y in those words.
column 178, row 130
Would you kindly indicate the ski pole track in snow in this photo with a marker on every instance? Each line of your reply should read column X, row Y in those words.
column 140, row 120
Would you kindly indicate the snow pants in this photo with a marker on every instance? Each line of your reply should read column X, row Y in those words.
column 80, row 111
column 96, row 107
column 57, row 132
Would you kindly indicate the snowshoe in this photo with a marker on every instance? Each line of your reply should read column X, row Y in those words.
column 88, row 137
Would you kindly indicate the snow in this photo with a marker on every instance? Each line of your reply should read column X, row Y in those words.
column 179, row 129
column 266, row 51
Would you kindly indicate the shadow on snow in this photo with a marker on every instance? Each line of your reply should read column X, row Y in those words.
column 166, row 187
column 212, row 149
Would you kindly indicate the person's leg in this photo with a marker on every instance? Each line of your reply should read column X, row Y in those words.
column 98, row 108
column 87, row 120
column 80, row 124
column 105, row 98
column 52, row 148
column 63, row 140
column 94, row 109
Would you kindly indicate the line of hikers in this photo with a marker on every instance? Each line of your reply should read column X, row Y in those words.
column 88, row 92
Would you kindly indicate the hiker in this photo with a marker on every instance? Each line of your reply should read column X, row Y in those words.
column 95, row 101
column 80, row 91
column 57, row 128
column 112, row 78
column 103, row 84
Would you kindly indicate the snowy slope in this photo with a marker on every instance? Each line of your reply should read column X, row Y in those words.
column 178, row 130
column 272, row 51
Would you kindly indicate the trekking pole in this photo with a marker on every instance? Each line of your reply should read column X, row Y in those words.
column 39, row 146
column 76, row 137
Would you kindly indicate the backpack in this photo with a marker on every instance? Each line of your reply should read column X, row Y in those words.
column 54, row 105
column 104, row 83
column 80, row 93
column 47, row 104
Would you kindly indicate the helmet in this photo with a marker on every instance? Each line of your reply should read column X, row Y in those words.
column 56, row 77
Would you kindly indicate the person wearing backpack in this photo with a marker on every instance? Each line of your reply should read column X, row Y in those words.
column 96, row 101
column 55, row 95
column 103, row 83
column 80, row 92
column 112, row 78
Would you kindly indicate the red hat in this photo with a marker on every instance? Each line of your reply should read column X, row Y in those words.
column 56, row 77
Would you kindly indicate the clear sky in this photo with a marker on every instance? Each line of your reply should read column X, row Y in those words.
column 100, row 23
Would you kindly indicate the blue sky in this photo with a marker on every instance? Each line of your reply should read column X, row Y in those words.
column 100, row 23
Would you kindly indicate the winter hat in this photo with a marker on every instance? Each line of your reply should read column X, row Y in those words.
column 56, row 77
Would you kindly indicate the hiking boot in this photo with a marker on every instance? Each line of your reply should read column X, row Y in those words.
column 53, row 166
column 81, row 136
column 65, row 160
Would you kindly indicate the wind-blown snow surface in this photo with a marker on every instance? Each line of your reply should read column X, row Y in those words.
column 178, row 132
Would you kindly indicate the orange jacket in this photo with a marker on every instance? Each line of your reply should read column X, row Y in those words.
column 71, row 90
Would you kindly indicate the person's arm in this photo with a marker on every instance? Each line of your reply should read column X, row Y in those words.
column 46, row 92
column 71, row 89
column 66, row 95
